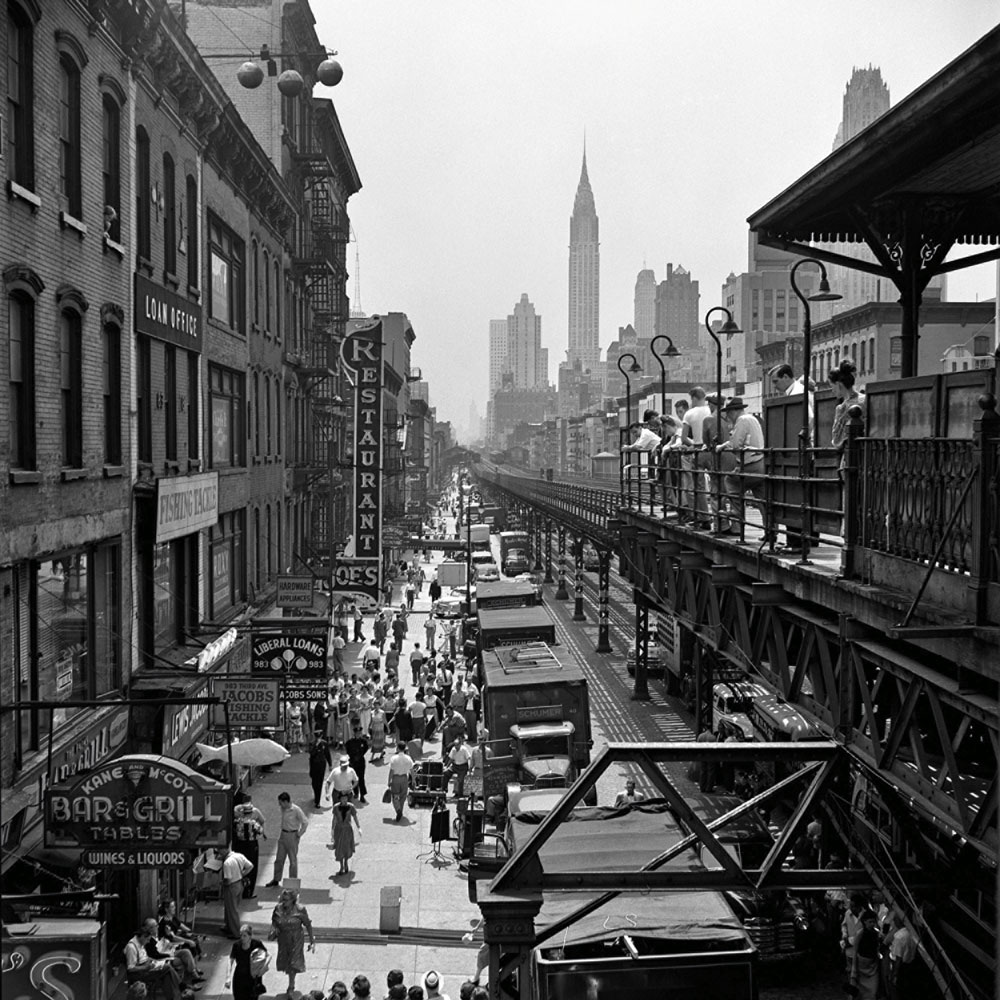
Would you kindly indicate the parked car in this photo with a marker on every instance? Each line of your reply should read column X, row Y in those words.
column 654, row 657
column 487, row 572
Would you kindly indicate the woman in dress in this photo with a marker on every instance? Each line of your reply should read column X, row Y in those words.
column 289, row 924
column 365, row 706
column 376, row 732
column 842, row 379
column 342, row 832
column 402, row 720
column 295, row 740
column 866, row 965
column 240, row 978
column 343, row 717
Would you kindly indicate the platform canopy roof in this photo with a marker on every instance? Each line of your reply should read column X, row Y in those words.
column 920, row 179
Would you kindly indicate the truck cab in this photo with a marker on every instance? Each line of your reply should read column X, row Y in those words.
column 543, row 752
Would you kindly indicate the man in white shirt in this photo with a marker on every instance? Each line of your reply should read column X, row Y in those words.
column 293, row 825
column 693, row 480
column 648, row 438
column 400, row 766
column 235, row 867
column 416, row 662
column 141, row 968
column 745, row 439
column 371, row 657
column 459, row 758
column 343, row 780
column 629, row 796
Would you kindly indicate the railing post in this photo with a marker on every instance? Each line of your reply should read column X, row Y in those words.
column 603, row 585
column 561, row 593
column 640, row 689
column 548, row 550
column 852, row 492
column 985, row 562
column 578, row 615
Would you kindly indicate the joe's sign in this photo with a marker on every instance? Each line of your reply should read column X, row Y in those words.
column 361, row 353
column 139, row 800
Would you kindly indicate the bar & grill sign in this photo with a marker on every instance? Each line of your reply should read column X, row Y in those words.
column 143, row 800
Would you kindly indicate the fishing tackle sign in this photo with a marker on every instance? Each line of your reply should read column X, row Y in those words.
column 361, row 354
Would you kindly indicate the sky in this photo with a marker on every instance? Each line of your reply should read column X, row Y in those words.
column 467, row 123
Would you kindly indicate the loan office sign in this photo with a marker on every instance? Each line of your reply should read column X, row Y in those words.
column 361, row 354
column 140, row 800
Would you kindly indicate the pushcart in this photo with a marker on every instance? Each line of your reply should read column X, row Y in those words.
column 428, row 784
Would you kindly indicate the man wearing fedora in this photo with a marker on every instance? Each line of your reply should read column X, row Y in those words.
column 746, row 439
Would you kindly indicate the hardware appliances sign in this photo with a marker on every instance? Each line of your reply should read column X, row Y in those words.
column 141, row 800
column 361, row 353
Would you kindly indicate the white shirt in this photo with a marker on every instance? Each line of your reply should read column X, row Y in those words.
column 694, row 418
column 646, row 441
column 235, row 867
column 343, row 779
column 400, row 763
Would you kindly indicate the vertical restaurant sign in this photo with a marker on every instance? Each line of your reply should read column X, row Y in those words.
column 361, row 354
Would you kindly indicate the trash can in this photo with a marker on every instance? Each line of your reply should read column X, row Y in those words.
column 390, row 898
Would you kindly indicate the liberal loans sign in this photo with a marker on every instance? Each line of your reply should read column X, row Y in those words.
column 361, row 353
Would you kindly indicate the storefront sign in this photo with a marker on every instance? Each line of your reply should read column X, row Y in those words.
column 184, row 724
column 140, row 800
column 164, row 314
column 137, row 857
column 361, row 353
column 295, row 591
column 63, row 959
column 294, row 652
column 251, row 703
column 305, row 690
column 185, row 504
column 356, row 576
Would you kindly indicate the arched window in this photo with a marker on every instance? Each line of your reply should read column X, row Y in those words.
column 111, row 391
column 861, row 360
column 21, row 332
column 111, row 157
column 20, row 97
column 256, row 414
column 258, row 568
column 142, row 194
column 266, row 268
column 270, row 550
column 69, row 136
column 255, row 261
column 267, row 402
column 193, row 246
column 71, row 387
column 169, row 216
column 277, row 300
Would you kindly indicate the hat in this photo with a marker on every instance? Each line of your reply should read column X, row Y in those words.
column 344, row 759
column 713, row 399
column 431, row 980
column 736, row 403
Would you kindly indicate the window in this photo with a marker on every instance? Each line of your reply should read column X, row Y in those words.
column 227, row 570
column 226, row 406
column 169, row 217
column 266, row 267
column 21, row 318
column 861, row 358
column 255, row 282
column 20, row 97
column 142, row 194
column 170, row 401
column 226, row 303
column 193, row 407
column 111, row 370
column 143, row 403
column 981, row 345
column 69, row 136
column 267, row 402
column 112, row 167
column 192, row 232
column 871, row 354
column 278, row 531
column 277, row 416
column 71, row 388
column 258, row 568
column 74, row 599
column 174, row 590
column 895, row 352
column 256, row 415
column 270, row 542
column 277, row 301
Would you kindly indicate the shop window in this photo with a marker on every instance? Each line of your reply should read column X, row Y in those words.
column 227, row 563
column 71, row 388
column 169, row 217
column 143, row 402
column 228, row 260
column 174, row 602
column 20, row 97
column 142, row 195
column 74, row 599
column 193, row 247
column 226, row 404
column 112, row 167
column 69, row 136
column 21, row 348
column 170, row 401
column 111, row 370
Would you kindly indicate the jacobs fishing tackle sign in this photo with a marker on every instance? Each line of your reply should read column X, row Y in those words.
column 361, row 354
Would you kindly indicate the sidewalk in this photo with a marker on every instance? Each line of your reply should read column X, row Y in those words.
column 435, row 908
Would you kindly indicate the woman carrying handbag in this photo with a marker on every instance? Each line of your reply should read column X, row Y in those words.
column 248, row 961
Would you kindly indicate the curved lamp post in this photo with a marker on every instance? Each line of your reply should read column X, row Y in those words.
column 805, row 432
column 728, row 328
column 634, row 368
column 670, row 352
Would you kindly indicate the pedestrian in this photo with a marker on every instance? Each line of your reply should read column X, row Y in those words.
column 381, row 628
column 902, row 951
column 359, row 620
column 338, row 644
column 356, row 747
column 240, row 977
column 400, row 766
column 248, row 828
column 866, row 965
column 706, row 770
column 361, row 988
column 431, row 702
column 320, row 717
column 340, row 619
column 392, row 661
column 398, row 631
column 387, row 592
column 377, row 733
column 850, row 928
column 178, row 956
column 289, row 924
column 401, row 720
column 293, row 826
column 434, row 590
column 433, row 986
column 430, row 631
column 175, row 930
column 417, row 718
column 156, row 972
column 343, row 780
column 320, row 760
column 629, row 796
column 293, row 715
column 416, row 662
column 421, row 576
column 411, row 593
column 235, row 867
column 459, row 758
column 394, row 978
column 342, row 832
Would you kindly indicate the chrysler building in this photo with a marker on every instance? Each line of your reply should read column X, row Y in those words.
column 584, row 277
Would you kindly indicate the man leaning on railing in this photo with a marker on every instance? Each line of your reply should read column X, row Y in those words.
column 746, row 438
column 647, row 441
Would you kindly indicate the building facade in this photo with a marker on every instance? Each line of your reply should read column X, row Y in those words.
column 584, row 277
column 527, row 360
column 644, row 306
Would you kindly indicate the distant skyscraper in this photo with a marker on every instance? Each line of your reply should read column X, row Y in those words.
column 676, row 313
column 527, row 361
column 866, row 98
column 584, row 277
column 499, row 362
column 644, row 319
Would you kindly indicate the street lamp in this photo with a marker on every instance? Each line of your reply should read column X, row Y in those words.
column 329, row 72
column 728, row 328
column 805, row 433
column 634, row 368
column 670, row 352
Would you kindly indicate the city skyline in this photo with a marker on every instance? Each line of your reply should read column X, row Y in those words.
column 679, row 151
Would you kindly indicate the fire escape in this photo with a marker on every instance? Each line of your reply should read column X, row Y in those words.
column 322, row 269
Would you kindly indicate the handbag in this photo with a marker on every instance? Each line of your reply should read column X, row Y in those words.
column 259, row 988
column 387, row 795
column 260, row 962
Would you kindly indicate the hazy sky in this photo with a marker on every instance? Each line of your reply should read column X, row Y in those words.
column 466, row 121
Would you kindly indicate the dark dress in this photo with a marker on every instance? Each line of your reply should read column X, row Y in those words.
column 243, row 982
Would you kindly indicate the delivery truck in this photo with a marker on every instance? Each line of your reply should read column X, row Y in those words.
column 514, row 541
